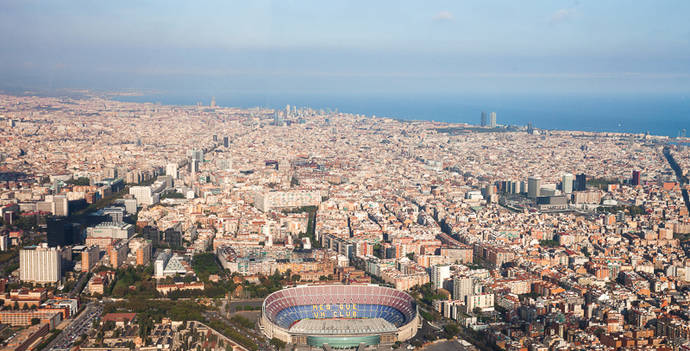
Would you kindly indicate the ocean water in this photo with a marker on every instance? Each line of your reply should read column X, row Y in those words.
column 657, row 114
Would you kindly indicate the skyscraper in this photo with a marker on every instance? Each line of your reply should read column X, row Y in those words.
column 40, row 264
column 492, row 120
column 567, row 184
column 225, row 141
column 581, row 182
column 636, row 178
column 533, row 186
column 171, row 170
column 483, row 121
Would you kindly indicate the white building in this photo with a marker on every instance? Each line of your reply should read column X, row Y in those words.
column 111, row 230
column 171, row 170
column 567, row 184
column 439, row 273
column 144, row 195
column 40, row 264
column 265, row 201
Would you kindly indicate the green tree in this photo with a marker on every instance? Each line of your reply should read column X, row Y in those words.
column 277, row 343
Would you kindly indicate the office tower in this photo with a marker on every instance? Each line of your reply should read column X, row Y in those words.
column 173, row 237
column 530, row 128
column 61, row 205
column 62, row 233
column 567, row 185
column 115, row 214
column 287, row 110
column 225, row 141
column 492, row 120
column 439, row 273
column 56, row 186
column 152, row 234
column 533, row 186
column 197, row 155
column 636, row 178
column 40, row 264
column 215, row 138
column 171, row 170
column 213, row 101
column 581, row 182
column 483, row 121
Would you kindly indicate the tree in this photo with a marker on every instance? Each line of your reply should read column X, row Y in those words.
column 450, row 330
column 296, row 278
column 277, row 343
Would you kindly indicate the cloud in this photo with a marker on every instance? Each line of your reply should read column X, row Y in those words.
column 443, row 16
column 562, row 15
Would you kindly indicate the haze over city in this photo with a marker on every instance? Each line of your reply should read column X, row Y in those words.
column 364, row 176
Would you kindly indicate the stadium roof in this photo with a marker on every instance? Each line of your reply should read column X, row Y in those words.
column 343, row 326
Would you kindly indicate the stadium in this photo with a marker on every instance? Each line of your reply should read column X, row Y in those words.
column 314, row 317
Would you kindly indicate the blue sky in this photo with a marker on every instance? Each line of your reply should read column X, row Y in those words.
column 348, row 46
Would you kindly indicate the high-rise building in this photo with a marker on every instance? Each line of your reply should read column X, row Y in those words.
column 117, row 253
column 492, row 120
column 533, row 187
column 483, row 120
column 636, row 178
column 462, row 286
column 62, row 233
column 225, row 141
column 567, row 183
column 89, row 258
column 581, row 182
column 439, row 273
column 213, row 101
column 215, row 138
column 40, row 264
column 171, row 170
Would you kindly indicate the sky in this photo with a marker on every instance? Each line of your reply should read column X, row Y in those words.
column 338, row 47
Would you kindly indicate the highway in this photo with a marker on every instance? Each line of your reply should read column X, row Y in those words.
column 79, row 325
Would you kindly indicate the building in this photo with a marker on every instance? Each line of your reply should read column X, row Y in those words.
column 114, row 214
column 483, row 120
column 635, row 181
column 567, row 183
column 144, row 195
column 111, row 230
column 462, row 286
column 142, row 250
column 62, row 233
column 225, row 141
column 40, row 264
column 265, row 201
column 171, row 170
column 492, row 120
column 439, row 273
column 581, row 182
column 89, row 258
column 117, row 253
column 533, row 187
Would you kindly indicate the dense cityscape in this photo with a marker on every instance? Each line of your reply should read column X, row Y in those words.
column 141, row 226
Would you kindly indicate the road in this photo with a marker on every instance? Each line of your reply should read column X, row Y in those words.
column 79, row 325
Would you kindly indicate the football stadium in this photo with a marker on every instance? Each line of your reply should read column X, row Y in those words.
column 316, row 317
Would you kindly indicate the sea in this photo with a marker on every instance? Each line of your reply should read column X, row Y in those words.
column 656, row 114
